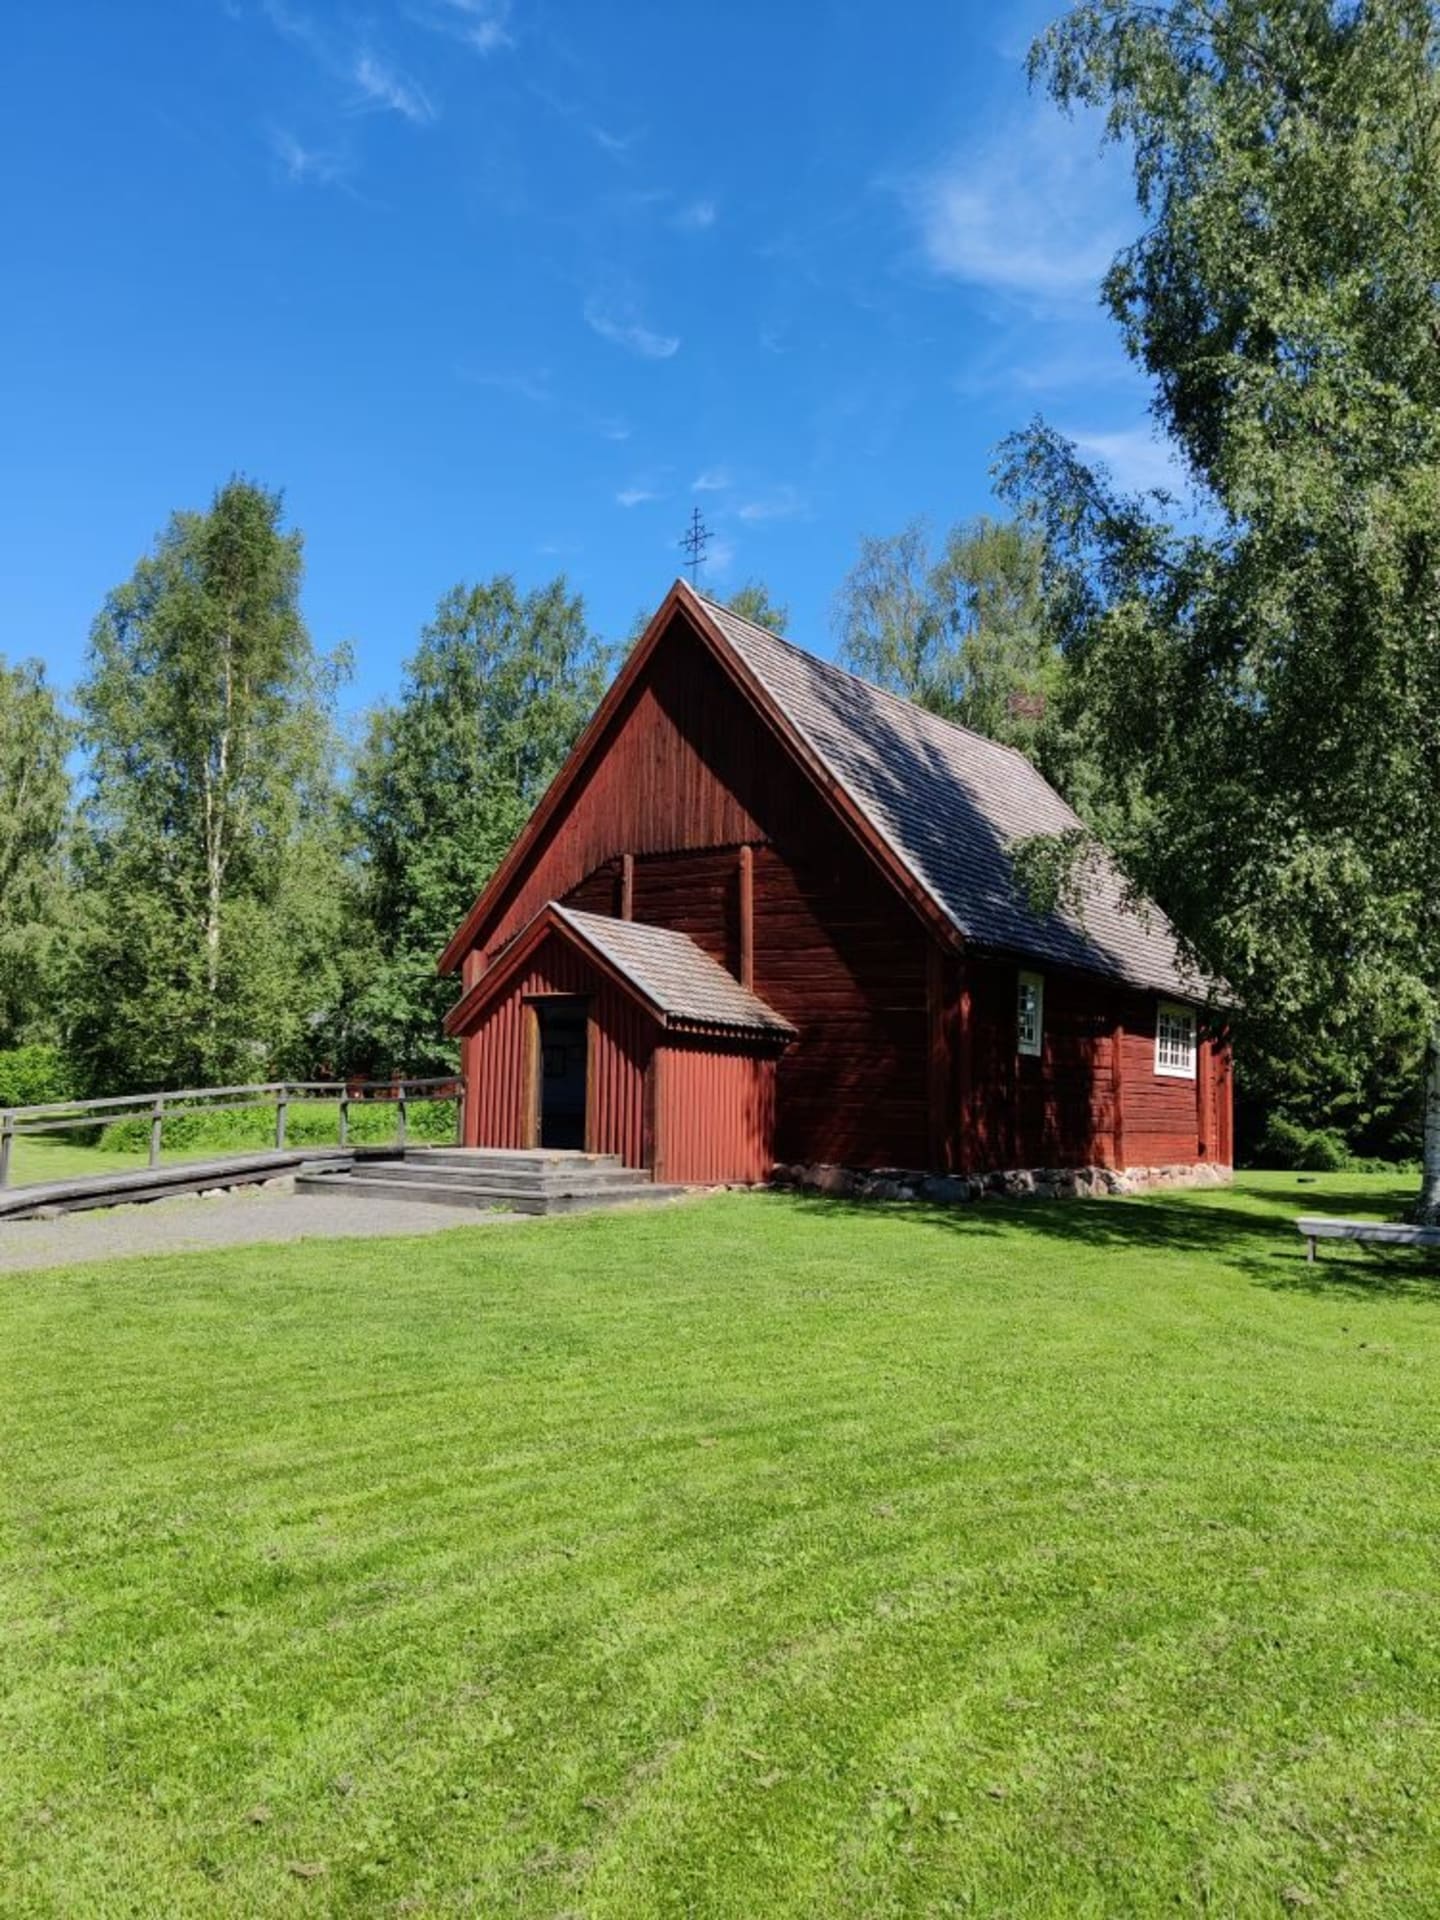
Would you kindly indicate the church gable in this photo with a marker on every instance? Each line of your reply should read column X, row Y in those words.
column 683, row 764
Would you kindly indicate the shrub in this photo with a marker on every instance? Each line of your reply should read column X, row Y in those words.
column 32, row 1076
column 1284, row 1143
column 309, row 1123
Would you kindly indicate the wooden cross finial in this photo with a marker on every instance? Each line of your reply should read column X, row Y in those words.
column 694, row 541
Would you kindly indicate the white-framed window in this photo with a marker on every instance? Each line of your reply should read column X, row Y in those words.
column 1029, row 1012
column 1175, row 1040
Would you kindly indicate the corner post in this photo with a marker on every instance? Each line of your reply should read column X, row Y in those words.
column 627, row 886
column 400, row 1125
column 157, row 1124
column 968, row 1146
column 7, row 1140
column 345, row 1115
column 942, row 996
column 1117, row 1091
column 282, row 1117
column 747, row 916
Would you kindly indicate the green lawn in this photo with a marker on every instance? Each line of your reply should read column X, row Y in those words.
column 761, row 1558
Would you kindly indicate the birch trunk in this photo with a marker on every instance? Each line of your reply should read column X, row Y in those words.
column 217, row 796
column 1427, row 1210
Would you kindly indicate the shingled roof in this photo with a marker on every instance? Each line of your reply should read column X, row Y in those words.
column 953, row 805
column 674, row 975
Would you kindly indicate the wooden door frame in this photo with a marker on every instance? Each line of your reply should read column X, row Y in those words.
column 534, row 1061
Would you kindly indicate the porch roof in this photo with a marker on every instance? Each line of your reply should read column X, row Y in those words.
column 677, row 981
column 678, row 978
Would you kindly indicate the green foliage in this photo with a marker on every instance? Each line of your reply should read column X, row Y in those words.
column 492, row 702
column 209, row 946
column 308, row 1123
column 753, row 603
column 964, row 634
column 1259, row 691
column 1312, row 1149
column 35, row 738
column 32, row 1075
column 1068, row 1562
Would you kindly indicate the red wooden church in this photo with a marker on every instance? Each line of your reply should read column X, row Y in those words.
column 767, row 913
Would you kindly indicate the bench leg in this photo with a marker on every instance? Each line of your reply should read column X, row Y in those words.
column 1310, row 1249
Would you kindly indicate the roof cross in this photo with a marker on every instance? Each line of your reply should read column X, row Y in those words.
column 694, row 541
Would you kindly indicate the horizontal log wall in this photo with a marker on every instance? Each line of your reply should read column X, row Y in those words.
column 1092, row 1097
column 696, row 892
column 843, row 960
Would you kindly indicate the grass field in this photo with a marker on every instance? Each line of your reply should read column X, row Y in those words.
column 761, row 1558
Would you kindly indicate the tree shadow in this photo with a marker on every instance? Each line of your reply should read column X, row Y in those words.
column 1264, row 1246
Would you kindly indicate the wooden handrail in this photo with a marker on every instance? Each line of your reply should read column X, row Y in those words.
column 58, row 1116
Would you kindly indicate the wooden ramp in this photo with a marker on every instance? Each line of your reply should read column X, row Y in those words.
column 125, row 1188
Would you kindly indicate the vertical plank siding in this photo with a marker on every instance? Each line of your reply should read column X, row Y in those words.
column 685, row 765
column 622, row 1040
column 714, row 1114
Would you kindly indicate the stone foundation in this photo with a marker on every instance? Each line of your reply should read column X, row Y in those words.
column 1019, row 1183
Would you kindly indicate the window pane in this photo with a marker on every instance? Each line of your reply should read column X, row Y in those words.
column 1029, row 1013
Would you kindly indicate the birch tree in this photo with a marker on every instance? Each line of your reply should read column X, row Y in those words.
column 1262, row 685
column 207, row 719
column 962, row 631
column 35, row 738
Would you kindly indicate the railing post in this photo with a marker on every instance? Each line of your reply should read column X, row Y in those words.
column 460, row 1116
column 345, row 1116
column 282, row 1110
column 157, row 1123
column 400, row 1119
column 7, row 1137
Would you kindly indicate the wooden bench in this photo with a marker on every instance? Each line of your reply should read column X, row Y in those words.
column 1385, row 1233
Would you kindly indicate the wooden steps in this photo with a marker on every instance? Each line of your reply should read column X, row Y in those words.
column 484, row 1179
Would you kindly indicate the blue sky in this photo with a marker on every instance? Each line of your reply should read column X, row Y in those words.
column 505, row 285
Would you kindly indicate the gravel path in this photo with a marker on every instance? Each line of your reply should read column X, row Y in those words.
column 192, row 1225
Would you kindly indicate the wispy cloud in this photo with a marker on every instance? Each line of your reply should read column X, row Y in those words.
column 712, row 480
column 610, row 426
column 783, row 503
column 618, row 323
column 370, row 80
column 382, row 85
column 618, row 145
column 719, row 558
column 483, row 25
column 635, row 496
column 293, row 24
column 696, row 216
column 307, row 166
column 1138, row 460
column 1035, row 210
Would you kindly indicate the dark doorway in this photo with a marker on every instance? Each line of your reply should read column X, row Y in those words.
column 564, row 1059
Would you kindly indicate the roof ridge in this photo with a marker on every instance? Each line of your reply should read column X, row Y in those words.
column 871, row 686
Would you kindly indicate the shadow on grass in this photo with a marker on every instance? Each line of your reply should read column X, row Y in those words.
column 1253, row 1234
